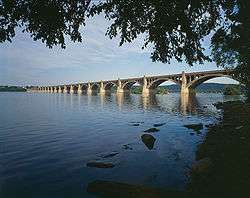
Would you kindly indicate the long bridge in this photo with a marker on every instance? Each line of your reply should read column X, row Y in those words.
column 187, row 81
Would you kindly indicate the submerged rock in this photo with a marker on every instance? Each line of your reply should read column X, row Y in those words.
column 100, row 165
column 124, row 190
column 195, row 127
column 136, row 124
column 208, row 125
column 148, row 140
column 158, row 125
column 238, row 127
column 202, row 166
column 151, row 130
column 127, row 147
column 110, row 155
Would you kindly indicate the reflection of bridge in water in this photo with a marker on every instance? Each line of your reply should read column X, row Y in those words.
column 184, row 104
column 187, row 82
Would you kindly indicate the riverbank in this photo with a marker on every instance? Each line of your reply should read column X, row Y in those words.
column 227, row 148
column 12, row 89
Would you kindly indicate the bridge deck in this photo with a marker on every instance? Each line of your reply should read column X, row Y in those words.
column 157, row 76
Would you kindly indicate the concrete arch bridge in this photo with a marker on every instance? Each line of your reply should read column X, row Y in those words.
column 187, row 81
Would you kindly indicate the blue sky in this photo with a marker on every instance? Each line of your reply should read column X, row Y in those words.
column 28, row 62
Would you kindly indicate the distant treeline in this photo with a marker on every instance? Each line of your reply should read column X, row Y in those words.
column 12, row 89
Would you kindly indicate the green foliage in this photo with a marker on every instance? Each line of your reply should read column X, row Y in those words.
column 48, row 21
column 136, row 90
column 231, row 42
column 161, row 90
column 173, row 28
column 232, row 90
column 12, row 89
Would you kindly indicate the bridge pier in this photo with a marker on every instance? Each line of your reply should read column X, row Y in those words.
column 145, row 90
column 65, row 89
column 102, row 89
column 185, row 90
column 89, row 89
column 79, row 90
column 119, row 90
column 59, row 89
column 71, row 90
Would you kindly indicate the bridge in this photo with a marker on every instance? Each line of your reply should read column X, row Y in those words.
column 187, row 81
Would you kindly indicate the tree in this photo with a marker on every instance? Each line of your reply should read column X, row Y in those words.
column 231, row 42
column 173, row 28
column 49, row 21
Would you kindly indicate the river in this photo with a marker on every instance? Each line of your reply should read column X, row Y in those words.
column 47, row 139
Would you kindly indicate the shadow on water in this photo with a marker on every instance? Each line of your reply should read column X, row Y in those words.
column 109, row 189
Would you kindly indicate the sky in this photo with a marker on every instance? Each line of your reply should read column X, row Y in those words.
column 27, row 62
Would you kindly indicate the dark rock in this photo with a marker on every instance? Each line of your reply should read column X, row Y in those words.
column 158, row 125
column 177, row 156
column 123, row 190
column 202, row 166
column 238, row 127
column 110, row 155
column 195, row 127
column 127, row 147
column 148, row 140
column 152, row 130
column 136, row 124
column 100, row 165
column 191, row 133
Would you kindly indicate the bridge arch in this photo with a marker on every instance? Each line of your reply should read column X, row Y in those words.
column 201, row 79
column 75, row 88
column 155, row 83
column 95, row 87
column 84, row 87
column 127, row 85
column 109, row 85
column 67, row 89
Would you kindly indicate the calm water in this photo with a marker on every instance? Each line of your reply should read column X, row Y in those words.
column 47, row 139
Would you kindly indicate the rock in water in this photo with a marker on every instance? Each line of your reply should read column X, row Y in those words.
column 158, row 125
column 123, row 190
column 195, row 127
column 127, row 147
column 100, row 165
column 110, row 155
column 202, row 166
column 152, row 130
column 148, row 140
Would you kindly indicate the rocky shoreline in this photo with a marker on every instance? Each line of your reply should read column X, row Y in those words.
column 226, row 171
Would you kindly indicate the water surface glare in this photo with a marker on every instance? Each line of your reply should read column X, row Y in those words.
column 47, row 139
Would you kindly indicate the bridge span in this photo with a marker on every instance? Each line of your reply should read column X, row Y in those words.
column 187, row 81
